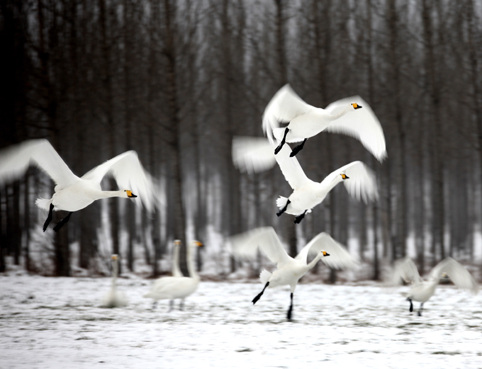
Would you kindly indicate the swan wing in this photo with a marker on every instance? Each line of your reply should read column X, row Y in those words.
column 129, row 174
column 252, row 154
column 283, row 107
column 457, row 273
column 361, row 183
column 15, row 160
column 361, row 124
column 291, row 168
column 405, row 270
column 245, row 245
column 339, row 257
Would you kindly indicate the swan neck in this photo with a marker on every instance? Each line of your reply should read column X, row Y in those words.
column 190, row 262
column 313, row 262
column 176, row 271
column 115, row 272
column 108, row 194
column 341, row 112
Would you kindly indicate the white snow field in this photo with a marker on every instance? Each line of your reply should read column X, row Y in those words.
column 57, row 323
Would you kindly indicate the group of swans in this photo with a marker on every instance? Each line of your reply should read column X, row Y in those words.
column 73, row 193
column 351, row 116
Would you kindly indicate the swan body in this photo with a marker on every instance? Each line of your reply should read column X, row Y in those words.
column 114, row 298
column 358, row 179
column 73, row 193
column 177, row 287
column 289, row 270
column 351, row 116
column 421, row 290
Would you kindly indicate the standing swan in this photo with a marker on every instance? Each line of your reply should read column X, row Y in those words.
column 255, row 154
column 289, row 270
column 421, row 290
column 71, row 192
column 351, row 116
column 170, row 288
column 114, row 298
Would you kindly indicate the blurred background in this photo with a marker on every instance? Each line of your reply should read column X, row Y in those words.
column 175, row 80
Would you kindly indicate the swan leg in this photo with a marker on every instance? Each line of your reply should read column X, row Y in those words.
column 154, row 305
column 290, row 310
column 258, row 296
column 284, row 209
column 181, row 305
column 49, row 217
column 298, row 148
column 171, row 305
column 62, row 222
column 280, row 146
column 299, row 218
column 411, row 305
column 420, row 310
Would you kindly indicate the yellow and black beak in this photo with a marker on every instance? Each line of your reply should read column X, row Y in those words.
column 130, row 194
column 325, row 253
column 356, row 106
column 344, row 176
column 198, row 243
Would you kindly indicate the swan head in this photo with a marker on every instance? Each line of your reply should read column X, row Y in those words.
column 344, row 176
column 177, row 242
column 197, row 243
column 129, row 194
column 114, row 257
column 356, row 106
column 324, row 253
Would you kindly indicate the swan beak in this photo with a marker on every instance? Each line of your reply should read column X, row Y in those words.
column 344, row 176
column 356, row 106
column 114, row 257
column 325, row 253
column 130, row 194
column 198, row 243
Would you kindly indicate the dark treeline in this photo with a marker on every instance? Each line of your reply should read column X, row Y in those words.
column 175, row 80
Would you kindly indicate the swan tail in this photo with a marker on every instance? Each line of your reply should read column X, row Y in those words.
column 43, row 203
column 281, row 202
column 264, row 276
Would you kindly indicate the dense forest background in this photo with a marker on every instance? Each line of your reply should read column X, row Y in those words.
column 175, row 80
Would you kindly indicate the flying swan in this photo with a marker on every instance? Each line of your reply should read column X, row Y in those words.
column 170, row 288
column 114, row 298
column 71, row 192
column 289, row 270
column 255, row 154
column 351, row 116
column 421, row 290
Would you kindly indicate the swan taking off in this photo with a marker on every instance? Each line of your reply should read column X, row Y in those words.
column 351, row 116
column 71, row 192
column 255, row 154
column 114, row 298
column 289, row 270
column 421, row 290
column 170, row 288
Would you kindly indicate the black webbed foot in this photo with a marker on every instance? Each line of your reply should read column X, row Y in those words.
column 300, row 217
column 298, row 148
column 284, row 209
column 49, row 217
column 62, row 222
column 280, row 146
column 258, row 296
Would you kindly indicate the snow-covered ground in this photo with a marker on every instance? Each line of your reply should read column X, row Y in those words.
column 57, row 323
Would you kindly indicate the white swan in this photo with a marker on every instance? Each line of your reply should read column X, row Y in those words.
column 351, row 116
column 170, row 288
column 71, row 192
column 114, row 298
column 289, row 270
column 421, row 290
column 253, row 154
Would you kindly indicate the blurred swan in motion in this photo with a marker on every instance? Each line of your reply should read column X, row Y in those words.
column 114, row 298
column 71, row 192
column 170, row 288
column 289, row 270
column 351, row 116
column 254, row 154
column 420, row 290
